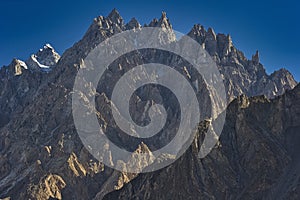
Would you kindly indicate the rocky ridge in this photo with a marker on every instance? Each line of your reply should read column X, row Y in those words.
column 256, row 158
column 41, row 156
column 242, row 76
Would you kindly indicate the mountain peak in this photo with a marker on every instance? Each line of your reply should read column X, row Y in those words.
column 199, row 29
column 115, row 17
column 48, row 56
column 45, row 58
column 255, row 58
column 132, row 24
column 163, row 15
column 40, row 150
column 114, row 12
column 211, row 33
column 17, row 66
column 163, row 22
column 224, row 44
column 47, row 46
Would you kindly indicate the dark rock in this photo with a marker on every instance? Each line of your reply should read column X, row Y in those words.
column 255, row 58
column 42, row 157
column 132, row 24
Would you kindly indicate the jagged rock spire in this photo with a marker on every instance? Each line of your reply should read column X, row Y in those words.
column 41, row 117
column 224, row 44
column 132, row 24
column 115, row 17
column 163, row 22
column 211, row 34
column 255, row 58
column 198, row 33
column 16, row 67
column 45, row 58
column 101, row 28
column 113, row 21
column 207, row 39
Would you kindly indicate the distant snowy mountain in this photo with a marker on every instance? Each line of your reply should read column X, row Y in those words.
column 44, row 60
column 42, row 156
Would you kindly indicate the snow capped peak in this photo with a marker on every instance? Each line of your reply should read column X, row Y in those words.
column 47, row 46
column 44, row 59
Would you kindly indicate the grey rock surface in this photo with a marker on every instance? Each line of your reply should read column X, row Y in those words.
column 257, row 158
column 42, row 157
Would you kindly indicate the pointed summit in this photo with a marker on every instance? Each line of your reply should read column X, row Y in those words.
column 283, row 80
column 255, row 58
column 224, row 43
column 165, row 25
column 132, row 24
column 16, row 67
column 48, row 56
column 45, row 58
column 115, row 17
column 113, row 13
column 198, row 33
column 163, row 22
column 199, row 30
column 211, row 34
column 163, row 15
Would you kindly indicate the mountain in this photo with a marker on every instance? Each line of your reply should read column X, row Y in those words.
column 42, row 157
column 20, row 81
column 256, row 158
column 44, row 59
column 242, row 76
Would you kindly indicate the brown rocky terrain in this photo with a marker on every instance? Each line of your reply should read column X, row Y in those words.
column 256, row 158
column 42, row 156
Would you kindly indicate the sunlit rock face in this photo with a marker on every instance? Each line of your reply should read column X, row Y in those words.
column 42, row 157
column 256, row 157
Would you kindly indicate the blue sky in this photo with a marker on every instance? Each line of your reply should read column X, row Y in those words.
column 272, row 27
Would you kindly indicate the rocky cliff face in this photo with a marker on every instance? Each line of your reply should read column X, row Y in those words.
column 21, row 80
column 256, row 158
column 242, row 76
column 42, row 157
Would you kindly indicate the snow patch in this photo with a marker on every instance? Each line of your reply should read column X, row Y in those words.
column 33, row 57
column 22, row 63
column 48, row 46
column 43, row 67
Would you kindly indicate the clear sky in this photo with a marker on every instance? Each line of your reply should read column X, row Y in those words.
column 272, row 27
